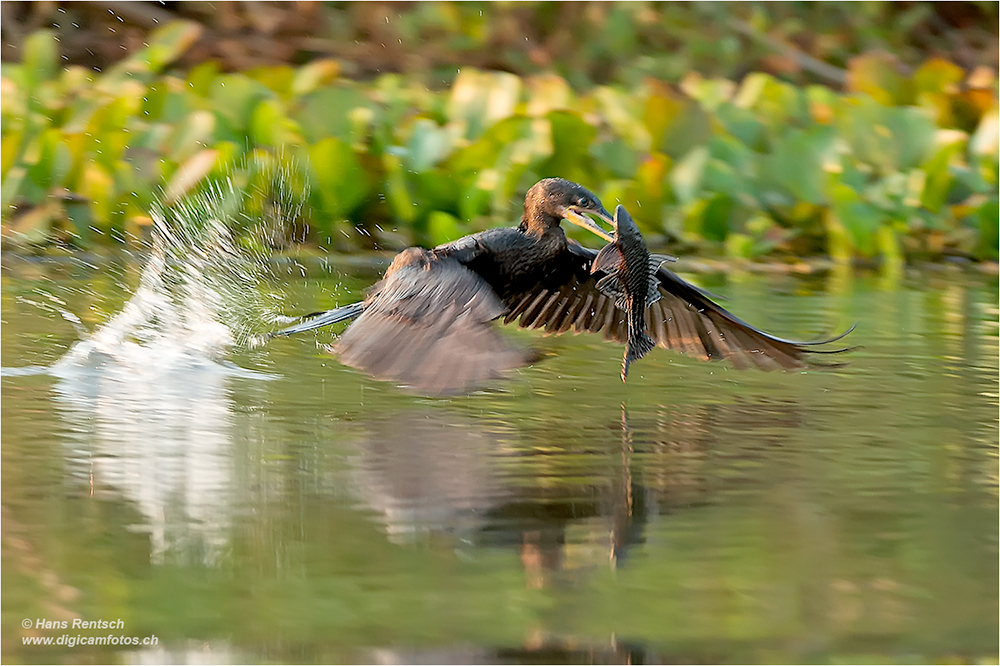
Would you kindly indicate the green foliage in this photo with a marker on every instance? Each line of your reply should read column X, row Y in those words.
column 893, row 166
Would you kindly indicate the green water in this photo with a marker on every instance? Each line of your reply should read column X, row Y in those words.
column 696, row 514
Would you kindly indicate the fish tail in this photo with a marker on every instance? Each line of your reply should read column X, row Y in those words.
column 637, row 347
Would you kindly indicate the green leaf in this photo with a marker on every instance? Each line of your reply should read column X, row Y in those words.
column 939, row 179
column 278, row 78
column 741, row 124
column 192, row 135
column 270, row 126
column 10, row 149
column 685, row 177
column 483, row 153
column 481, row 99
column 710, row 93
column 739, row 245
column 235, row 97
column 890, row 139
column 41, row 58
column 474, row 202
column 442, row 227
column 644, row 199
column 861, row 220
column 547, row 93
column 715, row 218
column 876, row 75
column 913, row 132
column 428, row 145
column 938, row 75
column 661, row 111
column 936, row 84
column 989, row 236
column 54, row 160
column 165, row 45
column 98, row 186
column 797, row 163
column 10, row 188
column 326, row 112
column 751, row 90
column 779, row 105
column 341, row 182
column 201, row 77
column 571, row 137
column 620, row 111
column 80, row 216
column 168, row 43
column 691, row 127
column 616, row 156
column 397, row 193
column 721, row 176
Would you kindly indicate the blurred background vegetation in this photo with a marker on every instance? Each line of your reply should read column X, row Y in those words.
column 862, row 131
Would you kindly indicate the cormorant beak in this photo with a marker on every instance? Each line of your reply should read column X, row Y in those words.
column 576, row 215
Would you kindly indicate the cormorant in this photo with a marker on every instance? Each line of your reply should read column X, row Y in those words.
column 428, row 323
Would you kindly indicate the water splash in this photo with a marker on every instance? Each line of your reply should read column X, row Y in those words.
column 202, row 292
column 146, row 396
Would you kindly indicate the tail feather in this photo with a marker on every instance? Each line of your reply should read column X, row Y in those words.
column 320, row 319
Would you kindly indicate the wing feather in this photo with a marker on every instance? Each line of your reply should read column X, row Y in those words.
column 428, row 325
column 684, row 319
column 574, row 306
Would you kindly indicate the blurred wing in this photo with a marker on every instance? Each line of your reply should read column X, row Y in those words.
column 429, row 328
column 684, row 319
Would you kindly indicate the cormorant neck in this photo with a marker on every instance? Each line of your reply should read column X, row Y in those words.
column 535, row 222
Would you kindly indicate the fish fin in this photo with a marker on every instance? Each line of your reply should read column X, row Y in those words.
column 653, row 294
column 608, row 259
column 611, row 286
column 657, row 260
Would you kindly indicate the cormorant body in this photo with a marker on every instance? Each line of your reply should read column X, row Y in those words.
column 428, row 323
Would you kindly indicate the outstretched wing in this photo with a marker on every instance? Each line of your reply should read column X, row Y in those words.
column 685, row 319
column 427, row 325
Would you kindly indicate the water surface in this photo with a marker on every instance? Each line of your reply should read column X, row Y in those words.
column 265, row 504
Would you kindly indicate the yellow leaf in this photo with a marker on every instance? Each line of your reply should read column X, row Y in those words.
column 190, row 173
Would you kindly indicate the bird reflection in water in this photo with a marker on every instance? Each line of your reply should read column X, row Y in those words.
column 431, row 473
column 425, row 472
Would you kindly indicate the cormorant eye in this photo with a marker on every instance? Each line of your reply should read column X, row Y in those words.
column 583, row 202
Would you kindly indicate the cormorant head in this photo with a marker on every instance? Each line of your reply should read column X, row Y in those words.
column 552, row 200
